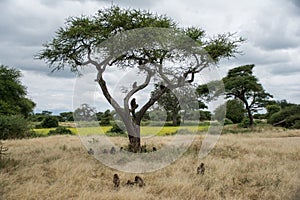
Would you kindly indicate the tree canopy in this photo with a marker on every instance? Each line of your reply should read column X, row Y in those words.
column 240, row 83
column 131, row 38
column 13, row 94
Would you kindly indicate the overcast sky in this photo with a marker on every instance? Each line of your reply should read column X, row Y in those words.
column 271, row 27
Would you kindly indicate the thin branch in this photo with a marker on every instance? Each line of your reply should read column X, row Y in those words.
column 138, row 87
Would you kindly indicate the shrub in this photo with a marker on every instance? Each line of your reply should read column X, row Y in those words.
column 50, row 122
column 288, row 116
column 105, row 121
column 272, row 109
column 227, row 121
column 60, row 131
column 13, row 127
column 245, row 123
column 117, row 127
column 293, row 121
column 235, row 110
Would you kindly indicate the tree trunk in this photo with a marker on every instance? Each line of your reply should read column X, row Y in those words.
column 134, row 135
column 174, row 119
column 249, row 114
column 134, row 144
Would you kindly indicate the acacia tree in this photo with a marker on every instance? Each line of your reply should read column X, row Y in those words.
column 76, row 44
column 242, row 84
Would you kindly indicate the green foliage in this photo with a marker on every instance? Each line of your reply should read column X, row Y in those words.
column 272, row 109
column 39, row 117
column 242, row 84
column 60, row 131
column 118, row 127
column 235, row 110
column 105, row 118
column 66, row 116
column 13, row 127
column 73, row 42
column 227, row 121
column 50, row 122
column 12, row 93
column 288, row 117
column 245, row 123
column 205, row 115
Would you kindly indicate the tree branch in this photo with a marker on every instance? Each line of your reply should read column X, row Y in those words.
column 151, row 101
column 138, row 88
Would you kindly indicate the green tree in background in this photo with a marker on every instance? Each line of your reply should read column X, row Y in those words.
column 13, row 99
column 240, row 83
column 235, row 110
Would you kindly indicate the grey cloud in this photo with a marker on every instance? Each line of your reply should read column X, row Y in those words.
column 285, row 69
column 296, row 3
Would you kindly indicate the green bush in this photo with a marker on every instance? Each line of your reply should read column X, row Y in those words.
column 118, row 128
column 13, row 127
column 227, row 121
column 293, row 121
column 235, row 111
column 50, row 122
column 288, row 116
column 60, row 131
column 245, row 123
column 105, row 121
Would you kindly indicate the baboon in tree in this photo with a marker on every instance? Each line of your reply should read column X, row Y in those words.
column 134, row 85
column 133, row 104
column 113, row 150
column 162, row 87
column 116, row 181
column 139, row 181
column 201, row 169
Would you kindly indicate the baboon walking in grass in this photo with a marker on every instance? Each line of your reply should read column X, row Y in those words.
column 201, row 169
column 139, row 181
column 116, row 181
column 113, row 150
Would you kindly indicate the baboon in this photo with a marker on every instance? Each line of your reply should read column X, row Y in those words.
column 154, row 149
column 133, row 104
column 105, row 151
column 143, row 149
column 112, row 150
column 201, row 169
column 139, row 181
column 91, row 151
column 162, row 87
column 134, row 85
column 116, row 181
column 130, row 183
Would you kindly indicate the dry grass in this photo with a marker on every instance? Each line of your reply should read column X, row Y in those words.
column 262, row 165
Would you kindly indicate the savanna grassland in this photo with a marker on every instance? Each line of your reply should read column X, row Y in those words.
column 262, row 165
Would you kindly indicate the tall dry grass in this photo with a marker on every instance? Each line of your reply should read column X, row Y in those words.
column 262, row 165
